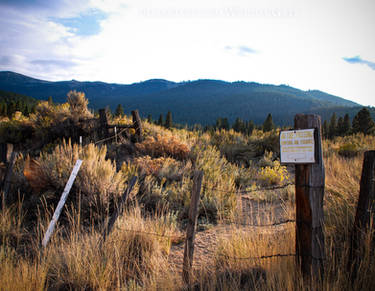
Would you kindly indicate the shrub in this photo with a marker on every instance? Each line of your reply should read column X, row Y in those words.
column 273, row 175
column 163, row 146
column 78, row 105
column 162, row 167
column 47, row 114
column 218, row 192
column 349, row 150
column 97, row 181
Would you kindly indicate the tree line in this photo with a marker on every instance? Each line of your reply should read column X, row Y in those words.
column 243, row 126
column 361, row 123
column 341, row 126
column 336, row 126
column 168, row 123
column 11, row 102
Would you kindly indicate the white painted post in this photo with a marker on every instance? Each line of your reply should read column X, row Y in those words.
column 59, row 207
column 116, row 133
column 80, row 140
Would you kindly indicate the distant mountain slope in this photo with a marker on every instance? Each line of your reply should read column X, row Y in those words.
column 338, row 101
column 200, row 101
column 99, row 93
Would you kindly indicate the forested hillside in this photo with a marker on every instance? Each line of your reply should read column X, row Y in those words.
column 11, row 102
column 200, row 101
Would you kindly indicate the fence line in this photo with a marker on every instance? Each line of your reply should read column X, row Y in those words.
column 218, row 254
column 111, row 137
column 249, row 191
column 149, row 233
column 257, row 258
column 264, row 225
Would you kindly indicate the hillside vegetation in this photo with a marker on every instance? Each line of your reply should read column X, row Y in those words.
column 138, row 253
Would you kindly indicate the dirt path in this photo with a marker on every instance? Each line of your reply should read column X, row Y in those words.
column 252, row 213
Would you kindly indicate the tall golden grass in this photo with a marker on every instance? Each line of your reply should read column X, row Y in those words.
column 135, row 255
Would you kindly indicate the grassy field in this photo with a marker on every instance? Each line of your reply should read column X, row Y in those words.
column 137, row 254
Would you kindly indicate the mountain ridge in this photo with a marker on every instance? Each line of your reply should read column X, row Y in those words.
column 198, row 101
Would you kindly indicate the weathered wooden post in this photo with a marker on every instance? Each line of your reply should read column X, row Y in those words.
column 6, row 150
column 365, row 213
column 7, row 156
column 103, row 121
column 118, row 210
column 137, row 124
column 310, row 183
column 190, row 231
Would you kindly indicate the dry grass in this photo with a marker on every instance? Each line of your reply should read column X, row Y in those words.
column 135, row 255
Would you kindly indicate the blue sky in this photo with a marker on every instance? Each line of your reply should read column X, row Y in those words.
column 325, row 45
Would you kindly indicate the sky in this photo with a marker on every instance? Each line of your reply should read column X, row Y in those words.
column 315, row 44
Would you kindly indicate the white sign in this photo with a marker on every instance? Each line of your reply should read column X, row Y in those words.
column 297, row 146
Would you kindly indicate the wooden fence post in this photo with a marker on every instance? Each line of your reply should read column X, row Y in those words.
column 8, row 174
column 119, row 209
column 103, row 121
column 137, row 124
column 59, row 207
column 310, row 183
column 6, row 150
column 365, row 210
column 190, row 231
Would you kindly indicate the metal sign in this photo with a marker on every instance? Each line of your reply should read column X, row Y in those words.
column 297, row 146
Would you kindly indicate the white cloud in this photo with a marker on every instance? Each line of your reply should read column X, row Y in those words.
column 300, row 43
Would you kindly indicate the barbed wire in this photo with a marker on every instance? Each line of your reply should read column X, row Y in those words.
column 257, row 258
column 263, row 225
column 249, row 191
column 113, row 136
column 149, row 233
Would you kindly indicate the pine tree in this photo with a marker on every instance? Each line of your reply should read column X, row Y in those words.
column 219, row 123
column 160, row 122
column 225, row 124
column 268, row 124
column 119, row 111
column 363, row 122
column 239, row 125
column 3, row 109
column 149, row 118
column 340, row 126
column 249, row 127
column 346, row 126
column 11, row 109
column 20, row 106
column 168, row 120
column 332, row 126
column 325, row 129
column 27, row 110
